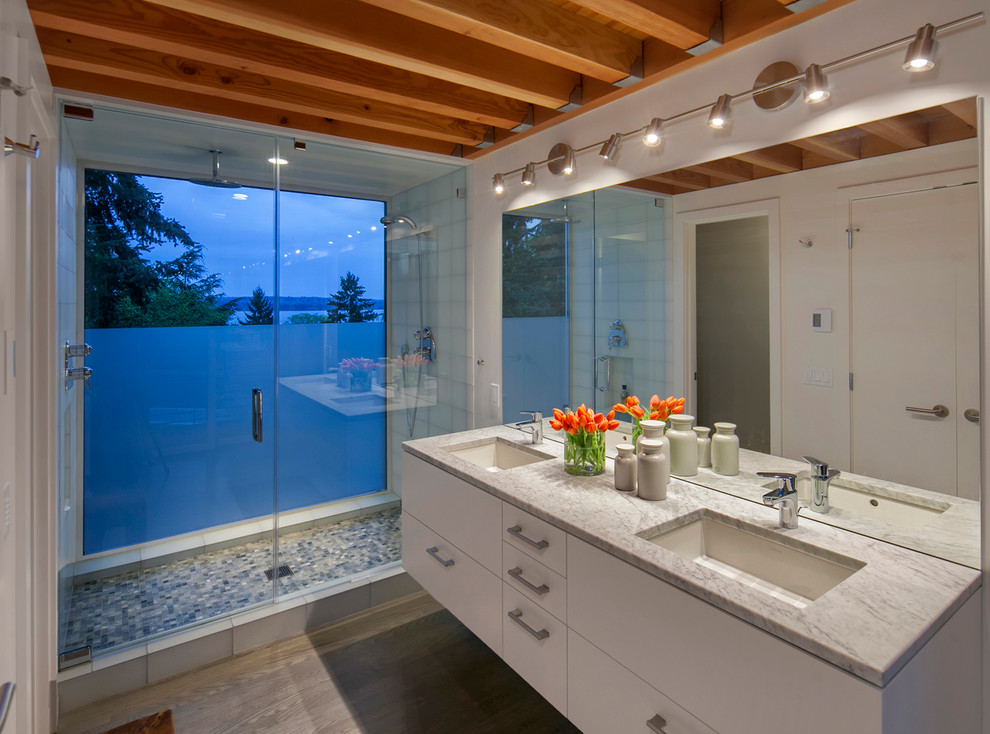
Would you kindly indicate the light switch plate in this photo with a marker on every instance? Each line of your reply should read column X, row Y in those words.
column 821, row 320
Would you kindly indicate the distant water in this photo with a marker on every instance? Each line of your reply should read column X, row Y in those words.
column 284, row 315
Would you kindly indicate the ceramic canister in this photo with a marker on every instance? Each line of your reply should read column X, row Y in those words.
column 725, row 450
column 683, row 446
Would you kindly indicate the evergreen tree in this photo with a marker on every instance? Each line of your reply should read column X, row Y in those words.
column 534, row 267
column 260, row 310
column 347, row 305
column 126, row 288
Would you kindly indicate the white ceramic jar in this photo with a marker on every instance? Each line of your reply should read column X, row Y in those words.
column 683, row 446
column 725, row 450
column 652, row 470
column 625, row 468
column 704, row 447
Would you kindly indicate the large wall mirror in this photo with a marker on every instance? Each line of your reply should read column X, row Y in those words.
column 822, row 294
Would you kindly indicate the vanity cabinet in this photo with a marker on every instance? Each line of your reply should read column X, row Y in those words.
column 617, row 649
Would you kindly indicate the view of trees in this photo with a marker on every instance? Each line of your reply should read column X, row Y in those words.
column 126, row 288
column 259, row 311
column 534, row 264
column 347, row 304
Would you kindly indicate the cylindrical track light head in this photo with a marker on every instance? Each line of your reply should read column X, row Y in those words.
column 610, row 147
column 529, row 175
column 498, row 183
column 815, row 85
column 921, row 53
column 569, row 165
column 718, row 118
column 654, row 133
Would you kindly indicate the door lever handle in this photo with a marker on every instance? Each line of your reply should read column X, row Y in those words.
column 939, row 411
column 257, row 416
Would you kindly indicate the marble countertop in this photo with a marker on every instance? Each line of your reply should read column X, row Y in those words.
column 870, row 625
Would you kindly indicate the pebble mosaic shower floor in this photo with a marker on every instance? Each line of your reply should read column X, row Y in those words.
column 123, row 609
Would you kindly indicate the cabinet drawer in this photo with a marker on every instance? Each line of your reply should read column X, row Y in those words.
column 538, row 654
column 719, row 668
column 468, row 517
column 534, row 537
column 535, row 581
column 604, row 697
column 471, row 592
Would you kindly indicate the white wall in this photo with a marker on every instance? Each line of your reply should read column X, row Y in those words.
column 812, row 206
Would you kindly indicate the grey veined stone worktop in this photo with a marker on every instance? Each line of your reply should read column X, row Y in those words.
column 871, row 624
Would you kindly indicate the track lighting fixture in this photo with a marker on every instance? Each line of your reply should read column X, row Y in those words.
column 920, row 57
column 529, row 174
column 718, row 118
column 921, row 53
column 610, row 147
column 654, row 133
column 815, row 85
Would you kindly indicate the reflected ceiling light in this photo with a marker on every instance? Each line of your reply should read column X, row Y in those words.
column 529, row 174
column 654, row 133
column 610, row 147
column 815, row 85
column 279, row 161
column 240, row 197
column 498, row 183
column 921, row 53
column 374, row 229
column 718, row 118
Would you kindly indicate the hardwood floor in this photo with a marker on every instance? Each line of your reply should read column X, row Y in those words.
column 405, row 668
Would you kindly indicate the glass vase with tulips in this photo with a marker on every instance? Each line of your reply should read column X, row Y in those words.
column 584, row 444
column 657, row 410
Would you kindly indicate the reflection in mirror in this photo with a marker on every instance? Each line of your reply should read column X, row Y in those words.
column 828, row 286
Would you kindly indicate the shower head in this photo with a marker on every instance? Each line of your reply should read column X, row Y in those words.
column 215, row 180
column 398, row 219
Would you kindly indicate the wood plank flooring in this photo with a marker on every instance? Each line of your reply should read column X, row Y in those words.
column 404, row 668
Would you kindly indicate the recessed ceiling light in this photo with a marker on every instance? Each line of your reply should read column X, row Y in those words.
column 279, row 161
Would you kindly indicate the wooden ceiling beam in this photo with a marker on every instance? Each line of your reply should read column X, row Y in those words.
column 353, row 28
column 903, row 131
column 683, row 178
column 726, row 169
column 740, row 17
column 132, row 23
column 92, row 56
column 208, row 104
column 679, row 23
column 833, row 148
column 535, row 28
column 964, row 109
column 656, row 187
column 781, row 158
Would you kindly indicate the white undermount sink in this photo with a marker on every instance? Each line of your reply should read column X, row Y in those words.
column 858, row 499
column 497, row 454
column 794, row 571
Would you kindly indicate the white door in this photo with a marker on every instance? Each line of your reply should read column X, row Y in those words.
column 915, row 338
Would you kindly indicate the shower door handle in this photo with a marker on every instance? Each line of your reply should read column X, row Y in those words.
column 608, row 374
column 257, row 417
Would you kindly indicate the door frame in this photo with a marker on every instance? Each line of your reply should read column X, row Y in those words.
column 845, row 197
column 686, row 330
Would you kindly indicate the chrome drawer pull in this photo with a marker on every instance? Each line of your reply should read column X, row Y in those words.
column 446, row 563
column 517, row 531
column 516, row 616
column 656, row 724
column 516, row 573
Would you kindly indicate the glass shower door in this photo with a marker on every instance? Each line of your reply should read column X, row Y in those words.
column 171, row 523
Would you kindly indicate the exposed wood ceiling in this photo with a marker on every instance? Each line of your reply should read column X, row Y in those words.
column 932, row 126
column 444, row 76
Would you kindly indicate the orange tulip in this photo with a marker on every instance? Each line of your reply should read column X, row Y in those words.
column 637, row 411
column 558, row 414
column 611, row 415
column 655, row 401
column 612, row 425
column 556, row 425
column 619, row 408
column 632, row 400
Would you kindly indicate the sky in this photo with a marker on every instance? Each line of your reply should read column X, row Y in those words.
column 322, row 237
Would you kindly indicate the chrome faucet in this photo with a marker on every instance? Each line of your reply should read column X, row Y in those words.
column 821, row 477
column 534, row 426
column 783, row 498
